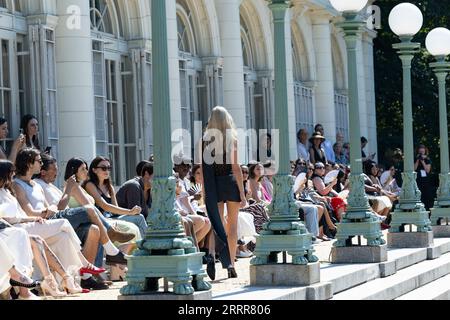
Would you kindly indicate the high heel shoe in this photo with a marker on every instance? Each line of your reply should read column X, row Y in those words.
column 232, row 273
column 71, row 287
column 91, row 269
column 49, row 285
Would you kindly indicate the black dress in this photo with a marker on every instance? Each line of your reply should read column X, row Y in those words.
column 220, row 186
column 425, row 185
column 319, row 155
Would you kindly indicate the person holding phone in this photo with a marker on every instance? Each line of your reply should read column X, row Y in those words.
column 30, row 127
column 422, row 166
column 17, row 145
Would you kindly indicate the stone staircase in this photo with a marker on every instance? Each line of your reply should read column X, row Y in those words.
column 409, row 274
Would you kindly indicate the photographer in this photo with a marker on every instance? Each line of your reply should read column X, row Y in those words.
column 422, row 166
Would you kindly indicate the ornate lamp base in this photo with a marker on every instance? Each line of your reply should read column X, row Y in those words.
column 441, row 209
column 165, row 252
column 284, row 232
column 418, row 217
column 184, row 270
column 367, row 228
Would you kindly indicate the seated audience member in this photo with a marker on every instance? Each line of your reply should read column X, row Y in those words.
column 317, row 152
column 137, row 191
column 381, row 204
column 259, row 194
column 100, row 187
column 18, row 144
column 77, row 169
column 319, row 184
column 23, row 248
column 30, row 129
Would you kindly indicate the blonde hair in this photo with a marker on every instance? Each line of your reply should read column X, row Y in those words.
column 222, row 121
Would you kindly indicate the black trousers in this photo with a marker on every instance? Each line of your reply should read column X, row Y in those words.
column 211, row 201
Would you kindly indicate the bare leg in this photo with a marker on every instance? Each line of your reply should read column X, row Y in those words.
column 91, row 244
column 54, row 262
column 93, row 216
column 231, row 228
column 330, row 223
column 201, row 234
column 37, row 246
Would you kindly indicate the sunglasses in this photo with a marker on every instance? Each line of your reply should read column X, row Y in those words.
column 105, row 169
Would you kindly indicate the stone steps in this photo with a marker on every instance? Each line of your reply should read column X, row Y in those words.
column 436, row 290
column 341, row 280
column 404, row 281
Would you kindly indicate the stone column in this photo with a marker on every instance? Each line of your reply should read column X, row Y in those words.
column 174, row 67
column 74, row 72
column 290, row 89
column 325, row 110
column 233, row 71
column 371, row 125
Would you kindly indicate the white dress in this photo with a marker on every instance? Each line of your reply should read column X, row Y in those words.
column 18, row 242
column 58, row 233
column 6, row 263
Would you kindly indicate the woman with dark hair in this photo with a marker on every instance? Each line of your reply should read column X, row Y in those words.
column 317, row 152
column 17, row 145
column 64, row 243
column 30, row 128
column 378, row 198
column 99, row 186
column 78, row 168
column 256, row 174
column 422, row 166
column 32, row 200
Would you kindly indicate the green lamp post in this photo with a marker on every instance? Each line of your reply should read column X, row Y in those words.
column 438, row 44
column 284, row 232
column 165, row 252
column 405, row 21
column 359, row 220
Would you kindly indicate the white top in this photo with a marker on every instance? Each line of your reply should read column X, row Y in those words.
column 34, row 192
column 9, row 206
column 302, row 151
column 52, row 194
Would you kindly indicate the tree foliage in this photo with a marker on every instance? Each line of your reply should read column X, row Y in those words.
column 388, row 81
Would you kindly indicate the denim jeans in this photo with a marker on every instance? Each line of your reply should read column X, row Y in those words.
column 311, row 218
column 138, row 220
column 79, row 216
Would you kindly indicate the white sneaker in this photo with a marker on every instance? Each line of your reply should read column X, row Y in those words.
column 244, row 254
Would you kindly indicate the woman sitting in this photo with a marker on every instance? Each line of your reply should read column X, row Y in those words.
column 58, row 232
column 99, row 186
column 24, row 248
column 77, row 168
column 319, row 184
column 379, row 198
column 259, row 194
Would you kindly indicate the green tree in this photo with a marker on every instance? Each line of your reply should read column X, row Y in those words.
column 388, row 81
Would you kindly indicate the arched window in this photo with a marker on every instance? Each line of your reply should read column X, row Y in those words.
column 117, row 128
column 14, row 69
column 340, row 96
column 193, row 90
column 303, row 95
column 105, row 17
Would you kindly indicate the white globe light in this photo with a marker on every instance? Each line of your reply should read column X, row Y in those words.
column 438, row 42
column 348, row 5
column 405, row 19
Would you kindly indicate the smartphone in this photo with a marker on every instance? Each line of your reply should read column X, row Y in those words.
column 20, row 131
column 48, row 149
